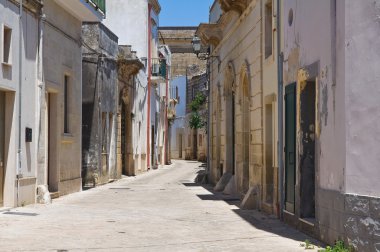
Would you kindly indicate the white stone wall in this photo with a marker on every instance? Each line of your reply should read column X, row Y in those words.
column 9, row 84
column 129, row 20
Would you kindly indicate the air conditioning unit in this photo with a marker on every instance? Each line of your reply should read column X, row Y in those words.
column 155, row 69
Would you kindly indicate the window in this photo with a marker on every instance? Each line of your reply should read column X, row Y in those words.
column 7, row 45
column 66, row 105
column 268, row 29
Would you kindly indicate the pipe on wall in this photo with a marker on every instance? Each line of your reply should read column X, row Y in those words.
column 19, row 148
column 280, row 112
column 149, row 86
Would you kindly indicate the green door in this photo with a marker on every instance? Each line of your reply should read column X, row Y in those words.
column 290, row 146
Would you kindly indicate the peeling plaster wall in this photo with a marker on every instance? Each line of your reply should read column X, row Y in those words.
column 309, row 40
column 362, row 77
column 99, row 94
column 335, row 42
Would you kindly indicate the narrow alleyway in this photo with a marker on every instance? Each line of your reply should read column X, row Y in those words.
column 162, row 210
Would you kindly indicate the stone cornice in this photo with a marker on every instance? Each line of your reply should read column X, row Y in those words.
column 156, row 6
column 34, row 6
column 129, row 67
column 212, row 34
column 234, row 5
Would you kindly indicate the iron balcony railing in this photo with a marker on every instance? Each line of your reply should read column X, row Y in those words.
column 159, row 68
column 99, row 5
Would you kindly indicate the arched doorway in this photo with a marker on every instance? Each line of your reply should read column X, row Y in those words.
column 229, row 95
column 243, row 132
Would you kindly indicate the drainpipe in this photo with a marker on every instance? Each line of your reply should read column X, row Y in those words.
column 40, row 78
column 149, row 88
column 209, row 121
column 19, row 151
column 280, row 112
column 166, row 116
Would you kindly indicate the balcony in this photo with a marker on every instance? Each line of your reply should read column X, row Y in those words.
column 159, row 71
column 174, row 97
column 85, row 10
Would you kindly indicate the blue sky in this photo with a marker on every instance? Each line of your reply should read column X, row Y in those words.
column 184, row 12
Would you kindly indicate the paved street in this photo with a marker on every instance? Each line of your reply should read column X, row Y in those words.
column 162, row 210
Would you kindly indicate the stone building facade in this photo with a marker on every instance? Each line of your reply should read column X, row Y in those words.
column 305, row 155
column 196, row 139
column 100, row 104
column 331, row 120
column 41, row 94
column 179, row 39
column 60, row 135
column 243, row 94
column 148, row 104
column 20, row 79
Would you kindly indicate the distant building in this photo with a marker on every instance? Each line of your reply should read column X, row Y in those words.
column 196, row 139
column 144, row 140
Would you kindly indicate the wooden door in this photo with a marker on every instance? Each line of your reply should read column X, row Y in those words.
column 290, row 147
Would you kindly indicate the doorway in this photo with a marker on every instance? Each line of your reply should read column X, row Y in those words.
column 195, row 145
column 153, row 144
column 307, row 157
column 230, row 133
column 180, row 140
column 269, row 164
column 290, row 147
column 52, row 169
column 246, row 134
column 2, row 144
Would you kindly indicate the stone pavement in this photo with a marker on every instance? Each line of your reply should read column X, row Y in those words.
column 162, row 210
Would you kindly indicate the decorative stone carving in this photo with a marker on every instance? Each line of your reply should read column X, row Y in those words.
column 234, row 5
column 128, row 63
column 210, row 34
column 229, row 80
column 33, row 5
column 155, row 5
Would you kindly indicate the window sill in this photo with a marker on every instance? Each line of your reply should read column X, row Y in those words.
column 67, row 138
column 6, row 64
column 269, row 60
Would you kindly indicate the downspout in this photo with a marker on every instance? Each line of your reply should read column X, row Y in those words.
column 280, row 112
column 19, row 151
column 149, row 87
column 41, row 82
column 209, row 120
column 166, row 117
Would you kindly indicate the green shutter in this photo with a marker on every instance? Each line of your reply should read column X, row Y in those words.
column 290, row 146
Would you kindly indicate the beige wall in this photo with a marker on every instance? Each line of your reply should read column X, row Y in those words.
column 62, row 56
column 240, row 50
